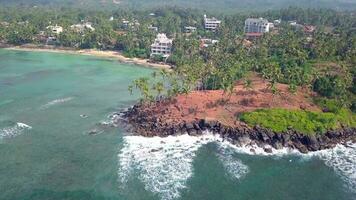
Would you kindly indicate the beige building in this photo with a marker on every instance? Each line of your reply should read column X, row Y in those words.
column 55, row 29
column 162, row 46
column 82, row 27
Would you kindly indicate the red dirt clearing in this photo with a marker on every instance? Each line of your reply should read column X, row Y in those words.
column 223, row 107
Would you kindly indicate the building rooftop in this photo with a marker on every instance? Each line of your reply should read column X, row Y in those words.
column 256, row 20
column 162, row 38
column 210, row 20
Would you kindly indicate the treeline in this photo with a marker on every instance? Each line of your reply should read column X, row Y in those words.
column 222, row 6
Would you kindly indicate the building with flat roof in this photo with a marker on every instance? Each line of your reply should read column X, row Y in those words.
column 211, row 23
column 153, row 28
column 55, row 29
column 206, row 42
column 190, row 29
column 257, row 25
column 162, row 46
column 82, row 27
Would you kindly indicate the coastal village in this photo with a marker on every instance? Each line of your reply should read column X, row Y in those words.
column 182, row 99
column 162, row 46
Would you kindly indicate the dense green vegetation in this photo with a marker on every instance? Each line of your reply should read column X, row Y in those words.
column 280, row 120
column 211, row 5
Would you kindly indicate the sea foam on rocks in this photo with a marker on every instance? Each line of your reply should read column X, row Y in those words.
column 165, row 164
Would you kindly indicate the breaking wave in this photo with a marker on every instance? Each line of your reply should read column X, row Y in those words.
column 165, row 164
column 55, row 102
column 13, row 131
column 342, row 159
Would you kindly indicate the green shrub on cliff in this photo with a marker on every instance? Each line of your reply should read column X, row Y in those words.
column 307, row 122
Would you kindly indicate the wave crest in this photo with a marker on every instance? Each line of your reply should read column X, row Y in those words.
column 13, row 131
column 165, row 164
column 55, row 102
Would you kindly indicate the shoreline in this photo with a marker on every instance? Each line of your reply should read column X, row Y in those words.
column 88, row 52
column 140, row 123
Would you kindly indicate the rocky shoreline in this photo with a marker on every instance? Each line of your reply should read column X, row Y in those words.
column 146, row 124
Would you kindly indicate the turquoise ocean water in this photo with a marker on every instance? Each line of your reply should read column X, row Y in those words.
column 47, row 153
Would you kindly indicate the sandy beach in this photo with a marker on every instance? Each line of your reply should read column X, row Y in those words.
column 91, row 52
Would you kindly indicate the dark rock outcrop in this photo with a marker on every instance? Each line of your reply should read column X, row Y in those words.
column 146, row 124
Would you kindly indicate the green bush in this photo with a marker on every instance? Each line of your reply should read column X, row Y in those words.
column 331, row 86
column 329, row 105
column 307, row 122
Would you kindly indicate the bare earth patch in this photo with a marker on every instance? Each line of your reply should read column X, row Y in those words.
column 215, row 105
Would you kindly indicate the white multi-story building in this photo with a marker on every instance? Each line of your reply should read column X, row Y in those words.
column 162, row 46
column 211, row 23
column 55, row 29
column 256, row 25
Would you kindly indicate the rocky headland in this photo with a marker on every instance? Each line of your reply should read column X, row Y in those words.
column 202, row 111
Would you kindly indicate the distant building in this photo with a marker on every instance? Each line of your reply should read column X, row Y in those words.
column 82, row 27
column 277, row 22
column 292, row 23
column 190, row 29
column 256, row 25
column 129, row 24
column 55, row 29
column 153, row 28
column 51, row 40
column 162, row 46
column 211, row 23
column 111, row 18
column 125, row 22
column 309, row 29
column 6, row 24
column 23, row 23
column 270, row 25
column 204, row 43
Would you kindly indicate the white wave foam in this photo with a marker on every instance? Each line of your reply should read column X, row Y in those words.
column 56, row 101
column 342, row 159
column 165, row 164
column 233, row 166
column 13, row 131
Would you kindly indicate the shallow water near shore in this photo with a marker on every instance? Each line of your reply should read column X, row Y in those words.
column 47, row 153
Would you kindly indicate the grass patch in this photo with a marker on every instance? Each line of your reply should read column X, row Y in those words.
column 306, row 122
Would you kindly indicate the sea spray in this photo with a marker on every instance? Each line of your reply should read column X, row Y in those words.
column 342, row 159
column 165, row 164
column 13, row 131
column 233, row 166
column 56, row 101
